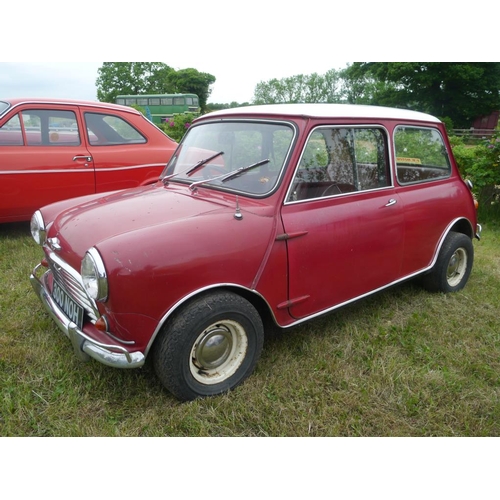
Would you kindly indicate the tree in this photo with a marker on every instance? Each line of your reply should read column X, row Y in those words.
column 115, row 78
column 190, row 80
column 132, row 78
column 299, row 88
column 459, row 91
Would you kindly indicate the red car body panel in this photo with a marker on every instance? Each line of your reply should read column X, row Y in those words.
column 34, row 174
column 165, row 243
column 343, row 245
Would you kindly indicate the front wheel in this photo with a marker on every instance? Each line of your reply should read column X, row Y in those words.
column 208, row 347
column 453, row 265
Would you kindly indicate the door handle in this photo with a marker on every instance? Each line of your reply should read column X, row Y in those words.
column 391, row 202
column 86, row 158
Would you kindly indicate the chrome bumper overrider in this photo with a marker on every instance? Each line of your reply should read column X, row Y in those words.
column 85, row 347
column 479, row 228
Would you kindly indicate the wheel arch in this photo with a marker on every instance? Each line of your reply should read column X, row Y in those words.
column 461, row 226
column 250, row 295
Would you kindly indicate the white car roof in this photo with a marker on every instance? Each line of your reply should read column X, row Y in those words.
column 328, row 111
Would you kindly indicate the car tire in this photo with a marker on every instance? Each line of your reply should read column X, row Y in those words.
column 209, row 346
column 453, row 265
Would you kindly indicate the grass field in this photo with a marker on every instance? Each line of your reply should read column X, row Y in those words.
column 401, row 363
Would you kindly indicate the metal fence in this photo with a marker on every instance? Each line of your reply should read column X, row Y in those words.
column 474, row 133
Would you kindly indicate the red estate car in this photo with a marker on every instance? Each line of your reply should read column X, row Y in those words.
column 275, row 213
column 54, row 149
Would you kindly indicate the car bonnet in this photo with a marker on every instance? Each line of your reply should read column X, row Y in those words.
column 87, row 224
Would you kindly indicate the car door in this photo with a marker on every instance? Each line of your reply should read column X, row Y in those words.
column 343, row 219
column 127, row 149
column 43, row 159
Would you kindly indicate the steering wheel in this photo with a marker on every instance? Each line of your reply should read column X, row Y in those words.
column 331, row 190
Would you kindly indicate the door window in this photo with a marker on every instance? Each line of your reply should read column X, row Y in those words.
column 44, row 127
column 341, row 160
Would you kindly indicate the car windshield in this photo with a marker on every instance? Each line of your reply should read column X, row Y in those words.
column 245, row 156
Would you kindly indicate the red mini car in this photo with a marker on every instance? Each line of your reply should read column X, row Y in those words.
column 53, row 149
column 264, row 215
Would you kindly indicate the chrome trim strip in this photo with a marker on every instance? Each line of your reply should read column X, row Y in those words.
column 81, row 170
column 84, row 346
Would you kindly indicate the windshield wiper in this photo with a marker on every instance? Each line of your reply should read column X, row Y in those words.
column 241, row 170
column 230, row 175
column 203, row 162
column 192, row 169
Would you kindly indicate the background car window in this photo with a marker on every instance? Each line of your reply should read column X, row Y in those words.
column 420, row 155
column 10, row 133
column 107, row 130
column 4, row 106
column 43, row 127
column 50, row 127
column 341, row 160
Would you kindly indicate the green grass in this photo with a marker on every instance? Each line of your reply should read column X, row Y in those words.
column 402, row 363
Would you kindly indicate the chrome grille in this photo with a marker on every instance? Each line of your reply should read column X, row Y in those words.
column 71, row 281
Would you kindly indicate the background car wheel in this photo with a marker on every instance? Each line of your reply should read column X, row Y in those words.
column 208, row 347
column 453, row 265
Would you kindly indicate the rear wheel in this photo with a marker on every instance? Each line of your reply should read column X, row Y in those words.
column 210, row 346
column 453, row 265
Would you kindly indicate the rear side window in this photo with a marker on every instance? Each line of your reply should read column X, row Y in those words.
column 421, row 155
column 111, row 130
column 341, row 160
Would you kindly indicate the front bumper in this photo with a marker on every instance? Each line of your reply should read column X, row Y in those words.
column 85, row 347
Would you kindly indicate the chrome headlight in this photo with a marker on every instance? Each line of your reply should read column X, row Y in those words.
column 37, row 227
column 95, row 280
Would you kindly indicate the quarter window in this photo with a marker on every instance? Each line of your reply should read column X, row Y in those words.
column 341, row 160
column 420, row 155
column 111, row 130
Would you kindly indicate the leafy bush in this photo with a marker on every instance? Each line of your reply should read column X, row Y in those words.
column 481, row 164
column 176, row 126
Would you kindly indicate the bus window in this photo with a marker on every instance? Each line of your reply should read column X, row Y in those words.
column 161, row 107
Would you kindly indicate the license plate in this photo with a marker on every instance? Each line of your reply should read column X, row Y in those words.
column 72, row 310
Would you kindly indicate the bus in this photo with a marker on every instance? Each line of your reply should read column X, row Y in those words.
column 160, row 107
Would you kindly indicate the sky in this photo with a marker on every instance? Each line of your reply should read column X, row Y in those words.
column 52, row 54
column 76, row 80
